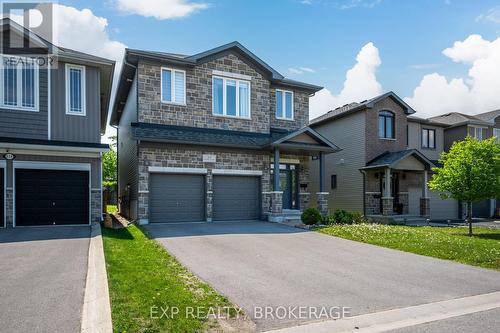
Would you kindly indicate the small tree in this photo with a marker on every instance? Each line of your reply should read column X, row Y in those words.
column 109, row 165
column 470, row 172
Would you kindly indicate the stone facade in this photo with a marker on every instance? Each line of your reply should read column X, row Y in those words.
column 322, row 198
column 9, row 207
column 304, row 200
column 95, row 205
column 387, row 206
column 198, row 109
column 372, row 203
column 276, row 206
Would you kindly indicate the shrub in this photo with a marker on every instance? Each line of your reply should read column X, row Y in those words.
column 342, row 217
column 328, row 220
column 358, row 218
column 310, row 216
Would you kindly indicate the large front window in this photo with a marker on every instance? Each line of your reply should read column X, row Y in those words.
column 496, row 133
column 284, row 104
column 19, row 83
column 231, row 97
column 478, row 132
column 75, row 90
column 386, row 125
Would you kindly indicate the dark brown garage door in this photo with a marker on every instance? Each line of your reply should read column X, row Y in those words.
column 176, row 198
column 2, row 198
column 236, row 198
column 51, row 197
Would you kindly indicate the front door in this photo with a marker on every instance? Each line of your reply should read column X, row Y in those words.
column 289, row 185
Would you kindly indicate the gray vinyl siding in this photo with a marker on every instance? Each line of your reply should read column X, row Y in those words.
column 128, row 162
column 415, row 140
column 349, row 134
column 27, row 124
column 72, row 127
column 454, row 134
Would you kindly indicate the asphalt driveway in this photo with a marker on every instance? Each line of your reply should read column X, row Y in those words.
column 43, row 273
column 259, row 265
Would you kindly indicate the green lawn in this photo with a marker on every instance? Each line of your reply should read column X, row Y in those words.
column 144, row 278
column 483, row 249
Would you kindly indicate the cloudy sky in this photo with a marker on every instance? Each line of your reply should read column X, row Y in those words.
column 439, row 55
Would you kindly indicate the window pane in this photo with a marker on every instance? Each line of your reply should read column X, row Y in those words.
column 288, row 105
column 389, row 127
column 432, row 139
column 425, row 138
column 218, row 92
column 179, row 87
column 10, row 85
column 166, row 83
column 231, row 98
column 381, row 127
column 279, row 104
column 75, row 88
column 244, row 94
column 28, row 85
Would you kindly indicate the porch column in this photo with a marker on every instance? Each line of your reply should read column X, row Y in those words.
column 276, row 199
column 425, row 209
column 322, row 196
column 387, row 199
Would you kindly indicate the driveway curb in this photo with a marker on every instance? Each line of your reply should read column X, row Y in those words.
column 96, row 317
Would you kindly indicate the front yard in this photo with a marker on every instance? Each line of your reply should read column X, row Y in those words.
column 148, row 287
column 483, row 249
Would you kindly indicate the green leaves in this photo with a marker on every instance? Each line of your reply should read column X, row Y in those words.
column 470, row 171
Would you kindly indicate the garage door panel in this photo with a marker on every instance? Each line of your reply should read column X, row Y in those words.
column 2, row 198
column 177, row 198
column 51, row 197
column 236, row 198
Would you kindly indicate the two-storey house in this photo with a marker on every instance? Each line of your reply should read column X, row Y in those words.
column 200, row 137
column 53, row 111
column 480, row 126
column 386, row 160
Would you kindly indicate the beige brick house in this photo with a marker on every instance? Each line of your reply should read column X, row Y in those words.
column 386, row 160
column 200, row 138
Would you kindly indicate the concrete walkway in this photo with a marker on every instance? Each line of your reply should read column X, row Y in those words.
column 262, row 265
column 43, row 272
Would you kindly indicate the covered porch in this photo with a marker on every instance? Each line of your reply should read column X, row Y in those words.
column 395, row 184
column 290, row 191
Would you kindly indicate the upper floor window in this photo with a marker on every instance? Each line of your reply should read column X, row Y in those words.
column 428, row 138
column 478, row 132
column 496, row 133
column 386, row 125
column 75, row 90
column 284, row 104
column 19, row 83
column 173, row 86
column 231, row 97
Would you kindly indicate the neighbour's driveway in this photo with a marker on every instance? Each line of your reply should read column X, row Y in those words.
column 42, row 279
column 260, row 264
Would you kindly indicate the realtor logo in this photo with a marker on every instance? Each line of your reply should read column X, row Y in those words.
column 31, row 30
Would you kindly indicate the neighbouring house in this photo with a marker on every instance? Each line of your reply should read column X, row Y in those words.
column 200, row 138
column 480, row 126
column 386, row 160
column 53, row 111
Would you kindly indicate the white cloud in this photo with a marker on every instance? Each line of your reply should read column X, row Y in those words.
column 360, row 84
column 424, row 66
column 476, row 93
column 160, row 9
column 300, row 70
column 360, row 3
column 492, row 15
column 306, row 2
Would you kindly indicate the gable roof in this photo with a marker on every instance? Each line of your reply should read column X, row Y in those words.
column 133, row 56
column 390, row 159
column 489, row 116
column 453, row 119
column 355, row 107
column 105, row 66
column 322, row 142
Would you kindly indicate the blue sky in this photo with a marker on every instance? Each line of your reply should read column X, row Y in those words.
column 323, row 37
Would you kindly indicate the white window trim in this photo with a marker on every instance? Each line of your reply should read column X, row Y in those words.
column 83, row 113
column 283, row 103
column 475, row 131
column 224, row 106
column 172, row 85
column 496, row 133
column 19, row 106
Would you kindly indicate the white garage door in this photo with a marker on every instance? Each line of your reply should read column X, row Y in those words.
column 442, row 209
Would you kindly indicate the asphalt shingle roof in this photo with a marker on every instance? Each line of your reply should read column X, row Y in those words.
column 390, row 158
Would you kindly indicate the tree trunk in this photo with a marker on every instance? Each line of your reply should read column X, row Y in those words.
column 469, row 217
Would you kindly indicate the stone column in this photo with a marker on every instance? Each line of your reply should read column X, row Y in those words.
column 387, row 199
column 322, row 198
column 95, row 204
column 387, row 206
column 209, row 197
column 425, row 207
column 143, row 209
column 304, row 200
column 276, row 206
column 9, row 207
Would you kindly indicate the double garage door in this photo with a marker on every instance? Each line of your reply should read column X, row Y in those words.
column 51, row 197
column 181, row 198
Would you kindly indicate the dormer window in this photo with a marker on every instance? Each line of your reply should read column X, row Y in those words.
column 386, row 125
column 19, row 83
column 284, row 104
